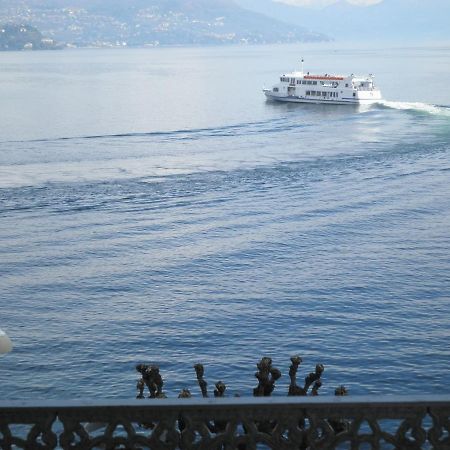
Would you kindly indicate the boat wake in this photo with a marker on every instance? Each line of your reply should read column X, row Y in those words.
column 417, row 106
column 245, row 128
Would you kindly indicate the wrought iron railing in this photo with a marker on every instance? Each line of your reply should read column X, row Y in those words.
column 229, row 423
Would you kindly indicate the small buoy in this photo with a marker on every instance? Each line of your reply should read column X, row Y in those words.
column 5, row 343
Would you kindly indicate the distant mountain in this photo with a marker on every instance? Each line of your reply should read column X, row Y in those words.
column 23, row 37
column 151, row 22
column 400, row 20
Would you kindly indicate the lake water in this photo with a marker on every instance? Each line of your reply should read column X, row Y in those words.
column 154, row 207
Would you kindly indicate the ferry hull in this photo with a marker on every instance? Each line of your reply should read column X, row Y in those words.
column 296, row 99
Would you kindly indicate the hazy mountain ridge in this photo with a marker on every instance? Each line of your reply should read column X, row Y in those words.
column 391, row 19
column 20, row 37
column 151, row 22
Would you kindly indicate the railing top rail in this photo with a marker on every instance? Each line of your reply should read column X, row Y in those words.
column 188, row 403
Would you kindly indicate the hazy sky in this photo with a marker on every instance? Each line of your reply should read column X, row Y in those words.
column 319, row 3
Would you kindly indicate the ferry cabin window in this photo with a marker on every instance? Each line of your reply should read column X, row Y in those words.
column 314, row 82
column 309, row 82
column 304, row 82
column 346, row 84
column 308, row 92
column 275, row 89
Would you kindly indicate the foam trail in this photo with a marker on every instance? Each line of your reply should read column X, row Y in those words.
column 417, row 106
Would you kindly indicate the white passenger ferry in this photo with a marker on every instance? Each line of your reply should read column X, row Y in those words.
column 303, row 87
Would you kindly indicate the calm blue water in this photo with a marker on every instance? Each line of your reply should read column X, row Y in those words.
column 155, row 208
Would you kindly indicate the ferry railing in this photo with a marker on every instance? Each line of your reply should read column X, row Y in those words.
column 408, row 423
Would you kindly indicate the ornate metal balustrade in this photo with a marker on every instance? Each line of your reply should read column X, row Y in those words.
column 229, row 423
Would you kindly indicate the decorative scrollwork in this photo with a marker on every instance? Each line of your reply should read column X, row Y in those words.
column 27, row 433
column 302, row 423
column 439, row 433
